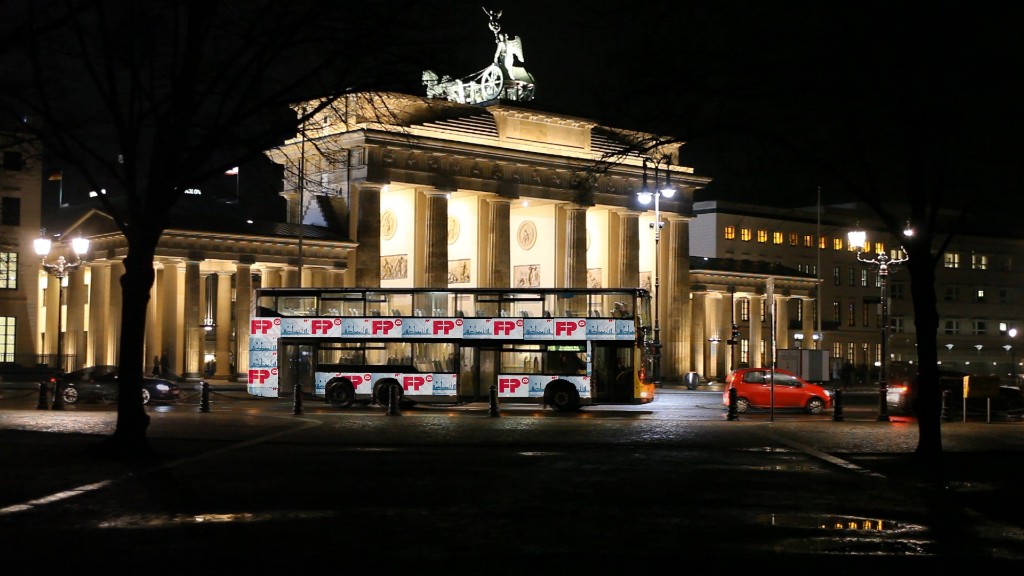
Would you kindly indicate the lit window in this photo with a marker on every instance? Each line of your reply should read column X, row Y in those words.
column 951, row 260
column 822, row 242
column 777, row 238
column 730, row 232
column 762, row 236
column 794, row 239
column 745, row 234
column 837, row 243
column 979, row 262
column 808, row 241
column 8, row 270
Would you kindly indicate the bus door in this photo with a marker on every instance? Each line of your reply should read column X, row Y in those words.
column 295, row 365
column 613, row 374
column 478, row 371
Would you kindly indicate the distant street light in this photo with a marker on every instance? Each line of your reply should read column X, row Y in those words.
column 1012, row 333
column 884, row 262
column 799, row 337
column 60, row 269
column 644, row 196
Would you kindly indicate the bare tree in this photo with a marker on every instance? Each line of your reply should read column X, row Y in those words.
column 147, row 98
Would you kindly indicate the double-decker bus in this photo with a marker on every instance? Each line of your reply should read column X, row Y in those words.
column 559, row 347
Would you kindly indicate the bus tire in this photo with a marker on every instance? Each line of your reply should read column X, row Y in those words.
column 382, row 392
column 340, row 394
column 562, row 396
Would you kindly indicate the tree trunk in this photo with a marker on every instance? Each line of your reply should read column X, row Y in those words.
column 928, row 404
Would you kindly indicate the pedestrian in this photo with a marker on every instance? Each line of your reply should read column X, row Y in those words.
column 156, row 365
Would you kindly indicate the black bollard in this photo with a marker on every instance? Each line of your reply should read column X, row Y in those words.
column 494, row 402
column 58, row 397
column 733, row 415
column 393, row 399
column 297, row 409
column 837, row 405
column 41, row 405
column 204, row 396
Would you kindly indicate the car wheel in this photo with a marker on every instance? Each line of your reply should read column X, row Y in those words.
column 69, row 395
column 742, row 405
column 815, row 406
column 145, row 396
column 341, row 395
column 563, row 397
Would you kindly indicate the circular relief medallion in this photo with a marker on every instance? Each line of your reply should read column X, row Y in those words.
column 388, row 224
column 527, row 234
column 453, row 229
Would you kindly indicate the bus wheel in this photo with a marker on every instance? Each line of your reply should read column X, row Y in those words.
column 382, row 393
column 341, row 395
column 563, row 397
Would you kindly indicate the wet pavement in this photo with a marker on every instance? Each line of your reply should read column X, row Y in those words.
column 255, row 487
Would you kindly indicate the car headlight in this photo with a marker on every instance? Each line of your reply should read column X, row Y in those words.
column 163, row 387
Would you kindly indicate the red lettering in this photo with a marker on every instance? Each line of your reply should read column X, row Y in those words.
column 508, row 385
column 260, row 326
column 443, row 326
column 258, row 375
column 503, row 327
column 565, row 328
column 381, row 326
column 412, row 382
column 320, row 326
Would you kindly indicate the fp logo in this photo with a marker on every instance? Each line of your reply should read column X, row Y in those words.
column 503, row 327
column 260, row 375
column 413, row 383
column 508, row 385
column 262, row 326
column 443, row 326
column 383, row 327
column 320, row 326
column 565, row 328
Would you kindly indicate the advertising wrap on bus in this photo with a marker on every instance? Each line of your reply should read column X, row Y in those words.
column 556, row 347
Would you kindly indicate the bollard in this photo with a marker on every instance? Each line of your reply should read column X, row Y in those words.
column 297, row 409
column 204, row 396
column 58, row 397
column 393, row 399
column 733, row 415
column 837, row 405
column 494, row 402
column 41, row 405
column 944, row 412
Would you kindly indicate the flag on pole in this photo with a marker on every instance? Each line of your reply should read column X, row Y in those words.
column 232, row 172
column 59, row 176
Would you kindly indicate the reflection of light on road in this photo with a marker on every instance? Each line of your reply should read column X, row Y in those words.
column 53, row 498
column 163, row 521
column 853, row 535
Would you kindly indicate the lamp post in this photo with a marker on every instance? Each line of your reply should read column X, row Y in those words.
column 799, row 337
column 1012, row 333
column 884, row 263
column 60, row 269
column 645, row 195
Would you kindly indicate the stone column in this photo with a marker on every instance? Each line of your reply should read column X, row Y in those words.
column 575, row 246
column 99, row 305
column 223, row 311
column 366, row 228
column 699, row 332
column 154, row 320
column 52, row 326
column 675, row 289
column 498, row 236
column 629, row 249
column 807, row 322
column 172, row 314
column 755, row 331
column 782, row 339
column 194, row 336
column 243, row 302
column 74, row 339
column 435, row 240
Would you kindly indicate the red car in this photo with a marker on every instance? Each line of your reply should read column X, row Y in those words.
column 754, row 390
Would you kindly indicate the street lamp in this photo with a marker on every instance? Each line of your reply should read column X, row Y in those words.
column 1012, row 333
column 60, row 269
column 884, row 263
column 645, row 195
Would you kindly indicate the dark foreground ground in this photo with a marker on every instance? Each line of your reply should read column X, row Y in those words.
column 260, row 490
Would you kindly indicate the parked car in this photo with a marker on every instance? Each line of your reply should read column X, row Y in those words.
column 99, row 383
column 754, row 390
column 985, row 391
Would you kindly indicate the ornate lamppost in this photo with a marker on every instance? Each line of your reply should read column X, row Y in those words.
column 885, row 263
column 645, row 195
column 60, row 269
